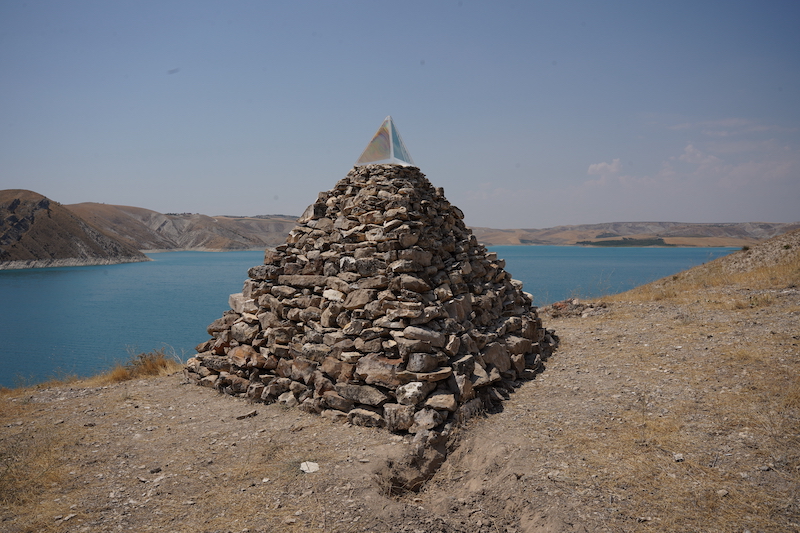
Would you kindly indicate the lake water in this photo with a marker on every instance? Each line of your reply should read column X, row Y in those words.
column 83, row 320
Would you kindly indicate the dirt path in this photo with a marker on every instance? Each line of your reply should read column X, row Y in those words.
column 651, row 416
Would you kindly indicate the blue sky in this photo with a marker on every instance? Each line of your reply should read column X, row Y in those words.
column 529, row 114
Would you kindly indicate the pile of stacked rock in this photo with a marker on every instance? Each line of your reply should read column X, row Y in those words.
column 382, row 308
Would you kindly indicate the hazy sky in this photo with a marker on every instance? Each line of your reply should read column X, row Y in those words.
column 529, row 114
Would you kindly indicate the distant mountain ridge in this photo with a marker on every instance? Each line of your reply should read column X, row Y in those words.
column 672, row 233
column 150, row 230
column 38, row 232
column 153, row 231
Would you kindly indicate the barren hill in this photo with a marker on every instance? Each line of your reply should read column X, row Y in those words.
column 36, row 231
column 672, row 233
column 149, row 230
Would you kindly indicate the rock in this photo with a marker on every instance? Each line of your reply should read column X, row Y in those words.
column 377, row 370
column 303, row 281
column 398, row 417
column 410, row 283
column 241, row 355
column 309, row 467
column 414, row 392
column 288, row 399
column 422, row 362
column 362, row 417
column 441, row 402
column 496, row 354
column 222, row 324
column 517, row 345
column 462, row 386
column 334, row 295
column 359, row 298
column 249, row 414
column 436, row 338
column 361, row 394
column 438, row 375
column 425, row 419
column 333, row 400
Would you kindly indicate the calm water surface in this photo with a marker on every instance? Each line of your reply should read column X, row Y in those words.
column 83, row 320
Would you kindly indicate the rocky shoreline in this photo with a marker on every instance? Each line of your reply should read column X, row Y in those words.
column 68, row 262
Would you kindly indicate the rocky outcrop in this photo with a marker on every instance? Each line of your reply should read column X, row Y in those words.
column 381, row 308
column 37, row 232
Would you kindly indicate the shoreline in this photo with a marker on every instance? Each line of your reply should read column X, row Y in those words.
column 67, row 262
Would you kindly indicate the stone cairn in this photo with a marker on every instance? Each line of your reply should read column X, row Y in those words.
column 381, row 308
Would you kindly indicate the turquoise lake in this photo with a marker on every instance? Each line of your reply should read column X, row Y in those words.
column 83, row 320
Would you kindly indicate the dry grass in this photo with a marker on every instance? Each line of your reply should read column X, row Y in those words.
column 142, row 365
column 31, row 457
column 29, row 462
column 150, row 364
column 725, row 457
column 718, row 275
column 660, row 472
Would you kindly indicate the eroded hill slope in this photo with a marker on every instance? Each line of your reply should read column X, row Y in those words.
column 150, row 230
column 36, row 231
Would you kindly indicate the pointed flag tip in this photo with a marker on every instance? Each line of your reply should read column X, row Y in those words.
column 386, row 147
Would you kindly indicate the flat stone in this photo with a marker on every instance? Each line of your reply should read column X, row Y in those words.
column 361, row 394
column 333, row 295
column 404, row 265
column 334, row 400
column 439, row 375
column 411, row 283
column 374, row 282
column 362, row 417
column 436, row 338
column 377, row 370
column 359, row 298
column 441, row 402
column 304, row 281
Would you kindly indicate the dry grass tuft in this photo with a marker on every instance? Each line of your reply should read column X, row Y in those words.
column 720, row 273
column 150, row 364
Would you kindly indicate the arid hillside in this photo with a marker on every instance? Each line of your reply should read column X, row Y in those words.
column 36, row 231
column 149, row 230
column 672, row 233
column 146, row 230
